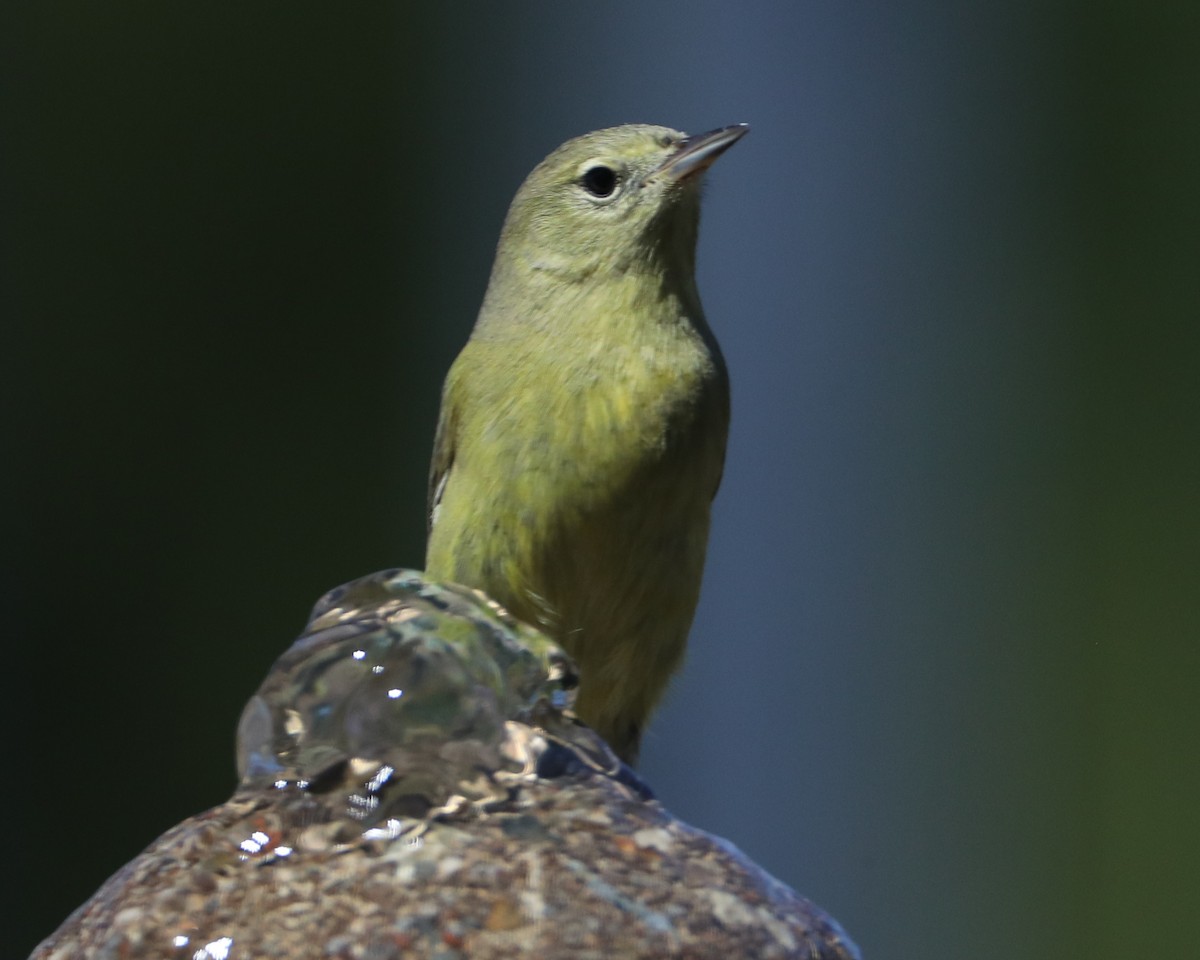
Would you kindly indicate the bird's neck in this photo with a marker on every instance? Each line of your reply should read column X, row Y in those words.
column 553, row 296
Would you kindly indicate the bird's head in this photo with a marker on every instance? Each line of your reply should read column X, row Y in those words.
column 612, row 200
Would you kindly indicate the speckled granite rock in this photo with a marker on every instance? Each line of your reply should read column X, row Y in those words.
column 413, row 785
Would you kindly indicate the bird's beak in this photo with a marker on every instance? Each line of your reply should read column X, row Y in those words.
column 693, row 155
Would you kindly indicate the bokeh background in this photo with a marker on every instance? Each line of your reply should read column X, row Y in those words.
column 944, row 676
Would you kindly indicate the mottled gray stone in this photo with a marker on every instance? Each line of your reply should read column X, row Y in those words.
column 414, row 785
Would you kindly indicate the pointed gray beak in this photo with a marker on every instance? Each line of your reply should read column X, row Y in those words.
column 695, row 154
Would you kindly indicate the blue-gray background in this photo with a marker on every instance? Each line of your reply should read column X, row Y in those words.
column 944, row 675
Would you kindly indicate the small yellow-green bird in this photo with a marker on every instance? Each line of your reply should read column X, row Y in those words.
column 583, row 426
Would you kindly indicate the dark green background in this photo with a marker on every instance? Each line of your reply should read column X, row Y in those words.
column 944, row 675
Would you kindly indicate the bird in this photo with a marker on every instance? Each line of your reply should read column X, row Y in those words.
column 583, row 426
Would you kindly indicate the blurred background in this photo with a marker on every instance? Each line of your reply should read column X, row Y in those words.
column 944, row 676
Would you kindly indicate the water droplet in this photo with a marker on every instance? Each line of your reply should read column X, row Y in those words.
column 396, row 698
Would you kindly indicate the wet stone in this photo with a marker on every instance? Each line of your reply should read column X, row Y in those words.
column 413, row 784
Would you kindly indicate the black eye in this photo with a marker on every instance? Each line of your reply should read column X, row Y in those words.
column 599, row 181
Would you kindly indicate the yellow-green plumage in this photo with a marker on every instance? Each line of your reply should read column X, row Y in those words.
column 583, row 426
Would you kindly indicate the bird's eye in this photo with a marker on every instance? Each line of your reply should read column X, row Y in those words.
column 599, row 181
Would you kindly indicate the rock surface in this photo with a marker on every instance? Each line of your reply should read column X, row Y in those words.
column 414, row 785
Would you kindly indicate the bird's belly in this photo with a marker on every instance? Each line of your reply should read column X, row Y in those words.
column 597, row 537
column 616, row 580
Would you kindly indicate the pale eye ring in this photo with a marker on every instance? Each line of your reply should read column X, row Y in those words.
column 600, row 181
